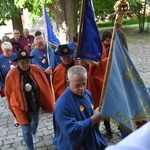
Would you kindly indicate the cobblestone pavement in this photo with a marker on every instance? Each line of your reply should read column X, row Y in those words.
column 11, row 137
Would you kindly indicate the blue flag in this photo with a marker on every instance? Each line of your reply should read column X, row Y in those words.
column 51, row 36
column 90, row 46
column 126, row 98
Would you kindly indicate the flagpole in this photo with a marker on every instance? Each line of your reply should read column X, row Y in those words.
column 80, row 27
column 120, row 7
column 46, row 37
column 45, row 29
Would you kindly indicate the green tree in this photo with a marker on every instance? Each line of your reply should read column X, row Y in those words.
column 138, row 8
column 102, row 8
column 9, row 11
column 64, row 13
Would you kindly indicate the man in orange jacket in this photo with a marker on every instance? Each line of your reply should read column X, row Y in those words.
column 25, row 91
column 60, row 81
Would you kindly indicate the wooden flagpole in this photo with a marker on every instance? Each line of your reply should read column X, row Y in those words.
column 45, row 29
column 80, row 27
column 120, row 7
column 46, row 37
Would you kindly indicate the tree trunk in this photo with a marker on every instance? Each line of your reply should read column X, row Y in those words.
column 141, row 18
column 17, row 20
column 65, row 10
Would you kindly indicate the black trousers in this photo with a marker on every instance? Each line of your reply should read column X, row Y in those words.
column 107, row 125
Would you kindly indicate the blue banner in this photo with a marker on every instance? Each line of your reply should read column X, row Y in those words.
column 51, row 36
column 90, row 46
column 126, row 98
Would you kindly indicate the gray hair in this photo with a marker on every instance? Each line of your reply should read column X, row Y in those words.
column 16, row 30
column 38, row 38
column 25, row 29
column 76, row 70
column 6, row 45
column 5, row 38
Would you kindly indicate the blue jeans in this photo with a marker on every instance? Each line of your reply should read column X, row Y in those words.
column 29, row 129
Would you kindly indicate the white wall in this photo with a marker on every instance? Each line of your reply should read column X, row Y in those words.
column 7, row 29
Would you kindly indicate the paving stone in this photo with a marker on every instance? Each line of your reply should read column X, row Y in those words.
column 5, row 147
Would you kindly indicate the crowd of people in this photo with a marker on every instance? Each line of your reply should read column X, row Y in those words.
column 54, row 80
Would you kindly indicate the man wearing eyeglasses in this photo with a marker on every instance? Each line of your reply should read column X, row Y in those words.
column 18, row 40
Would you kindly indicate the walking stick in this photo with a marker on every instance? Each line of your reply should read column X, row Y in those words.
column 120, row 7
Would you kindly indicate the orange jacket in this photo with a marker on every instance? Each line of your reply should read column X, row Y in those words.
column 59, row 80
column 98, row 77
column 16, row 97
column 104, row 51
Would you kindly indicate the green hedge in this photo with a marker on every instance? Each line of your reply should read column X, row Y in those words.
column 111, row 23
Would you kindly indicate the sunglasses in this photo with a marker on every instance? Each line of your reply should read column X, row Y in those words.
column 17, row 33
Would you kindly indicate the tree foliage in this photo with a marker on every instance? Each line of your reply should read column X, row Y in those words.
column 33, row 6
column 138, row 9
column 7, row 9
column 102, row 8
column 64, row 12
